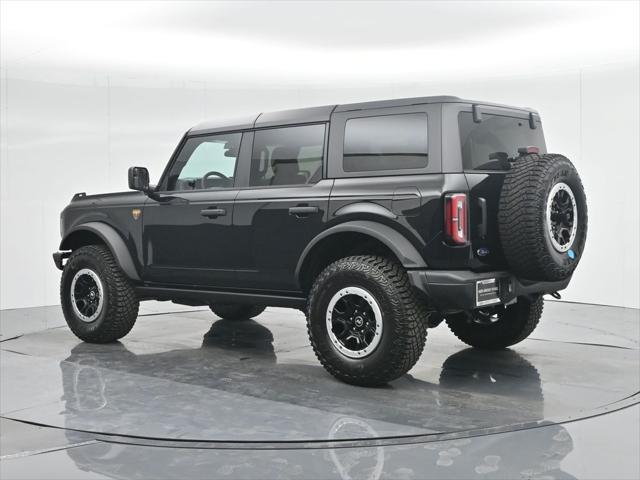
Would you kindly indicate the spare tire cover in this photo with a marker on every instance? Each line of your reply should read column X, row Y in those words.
column 542, row 217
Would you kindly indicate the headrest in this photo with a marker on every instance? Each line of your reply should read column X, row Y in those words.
column 231, row 149
column 284, row 155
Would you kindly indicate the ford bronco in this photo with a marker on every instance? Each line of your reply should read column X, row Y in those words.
column 378, row 220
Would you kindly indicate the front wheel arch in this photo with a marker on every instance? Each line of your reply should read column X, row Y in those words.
column 97, row 232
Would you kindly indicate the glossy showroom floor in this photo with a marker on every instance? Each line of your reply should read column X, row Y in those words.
column 187, row 395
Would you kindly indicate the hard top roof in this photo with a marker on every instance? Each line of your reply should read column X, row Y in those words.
column 322, row 114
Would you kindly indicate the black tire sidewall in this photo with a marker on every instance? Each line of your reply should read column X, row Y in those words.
column 235, row 311
column 79, row 260
column 514, row 324
column 522, row 218
column 562, row 171
column 383, row 294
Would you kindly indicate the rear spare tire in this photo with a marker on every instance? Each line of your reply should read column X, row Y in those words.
column 542, row 217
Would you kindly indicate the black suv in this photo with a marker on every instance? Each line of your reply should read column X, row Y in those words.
column 377, row 219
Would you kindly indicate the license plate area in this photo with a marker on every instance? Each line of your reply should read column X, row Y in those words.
column 487, row 292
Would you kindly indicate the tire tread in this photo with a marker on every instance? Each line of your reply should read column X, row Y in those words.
column 515, row 324
column 521, row 218
column 230, row 311
column 122, row 303
column 409, row 332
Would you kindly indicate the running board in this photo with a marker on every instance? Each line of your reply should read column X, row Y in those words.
column 190, row 296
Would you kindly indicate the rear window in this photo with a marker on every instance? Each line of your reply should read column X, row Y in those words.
column 487, row 145
column 390, row 142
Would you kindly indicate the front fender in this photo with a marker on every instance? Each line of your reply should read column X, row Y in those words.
column 112, row 239
column 406, row 253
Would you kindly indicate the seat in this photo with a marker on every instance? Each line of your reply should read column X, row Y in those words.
column 286, row 171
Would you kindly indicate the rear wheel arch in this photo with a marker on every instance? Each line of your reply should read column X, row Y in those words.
column 98, row 233
column 355, row 238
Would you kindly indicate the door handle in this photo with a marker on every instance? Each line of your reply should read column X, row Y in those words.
column 303, row 211
column 213, row 212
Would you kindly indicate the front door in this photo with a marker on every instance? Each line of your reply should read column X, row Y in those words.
column 284, row 207
column 188, row 235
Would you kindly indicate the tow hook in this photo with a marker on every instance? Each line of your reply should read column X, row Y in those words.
column 555, row 295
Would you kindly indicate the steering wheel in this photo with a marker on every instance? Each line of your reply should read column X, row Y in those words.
column 214, row 173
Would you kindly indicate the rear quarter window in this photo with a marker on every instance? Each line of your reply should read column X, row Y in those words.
column 389, row 142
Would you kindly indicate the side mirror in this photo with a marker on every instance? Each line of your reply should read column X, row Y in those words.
column 139, row 179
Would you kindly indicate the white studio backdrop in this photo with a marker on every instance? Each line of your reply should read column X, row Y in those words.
column 74, row 117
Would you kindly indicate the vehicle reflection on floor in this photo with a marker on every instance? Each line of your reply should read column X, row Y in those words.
column 233, row 351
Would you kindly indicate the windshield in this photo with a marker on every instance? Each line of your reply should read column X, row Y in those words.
column 489, row 144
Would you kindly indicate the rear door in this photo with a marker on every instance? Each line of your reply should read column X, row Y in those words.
column 283, row 206
column 489, row 140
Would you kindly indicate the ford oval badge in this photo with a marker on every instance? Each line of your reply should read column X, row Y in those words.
column 483, row 252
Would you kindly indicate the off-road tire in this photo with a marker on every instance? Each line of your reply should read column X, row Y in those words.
column 404, row 330
column 522, row 223
column 120, row 307
column 236, row 311
column 515, row 323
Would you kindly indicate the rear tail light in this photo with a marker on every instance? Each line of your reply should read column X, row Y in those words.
column 455, row 218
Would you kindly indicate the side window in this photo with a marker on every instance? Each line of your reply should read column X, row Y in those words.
column 287, row 156
column 389, row 142
column 205, row 162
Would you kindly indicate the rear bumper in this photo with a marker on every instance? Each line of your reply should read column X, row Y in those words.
column 450, row 290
